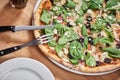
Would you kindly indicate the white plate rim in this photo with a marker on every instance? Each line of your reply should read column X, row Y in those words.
column 27, row 63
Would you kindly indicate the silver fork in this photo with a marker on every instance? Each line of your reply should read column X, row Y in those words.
column 40, row 40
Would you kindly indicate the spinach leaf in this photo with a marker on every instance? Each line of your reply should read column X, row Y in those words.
column 112, row 51
column 79, row 20
column 74, row 61
column 111, row 3
column 63, row 40
column 59, row 48
column 85, row 5
column 110, row 19
column 115, row 56
column 84, row 31
column 70, row 4
column 76, row 50
column 102, row 40
column 98, row 25
column 61, row 29
column 90, row 60
column 96, row 4
column 45, row 17
column 86, row 42
column 48, row 31
column 68, row 36
column 52, row 43
column 109, row 34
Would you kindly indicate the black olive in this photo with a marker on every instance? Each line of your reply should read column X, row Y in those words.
column 118, row 46
column 90, row 40
column 87, row 25
column 107, row 45
column 99, row 35
column 70, row 56
column 89, row 18
column 107, row 60
column 106, row 1
column 108, row 24
column 98, row 63
column 81, row 40
column 86, row 53
column 100, row 48
column 52, row 1
column 118, row 23
column 69, row 25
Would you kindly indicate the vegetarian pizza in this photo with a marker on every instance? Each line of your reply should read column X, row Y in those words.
column 86, row 33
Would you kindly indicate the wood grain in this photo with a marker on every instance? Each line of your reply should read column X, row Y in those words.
column 11, row 16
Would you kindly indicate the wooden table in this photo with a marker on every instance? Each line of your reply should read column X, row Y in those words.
column 11, row 16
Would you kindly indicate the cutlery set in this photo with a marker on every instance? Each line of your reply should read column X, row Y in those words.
column 40, row 40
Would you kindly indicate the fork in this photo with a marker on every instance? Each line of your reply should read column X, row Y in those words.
column 40, row 40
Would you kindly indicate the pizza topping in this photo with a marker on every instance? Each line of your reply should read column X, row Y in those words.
column 118, row 46
column 90, row 60
column 89, row 18
column 113, row 52
column 70, row 4
column 90, row 40
column 88, row 25
column 107, row 60
column 98, row 63
column 45, row 17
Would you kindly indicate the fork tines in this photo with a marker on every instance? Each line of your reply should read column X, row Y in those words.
column 45, row 38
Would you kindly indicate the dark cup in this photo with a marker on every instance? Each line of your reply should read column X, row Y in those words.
column 18, row 3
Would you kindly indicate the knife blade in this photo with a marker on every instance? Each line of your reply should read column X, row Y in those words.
column 21, row 28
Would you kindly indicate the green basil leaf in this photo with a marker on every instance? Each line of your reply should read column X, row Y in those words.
column 45, row 17
column 84, row 31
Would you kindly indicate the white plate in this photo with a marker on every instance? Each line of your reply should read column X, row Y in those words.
column 24, row 69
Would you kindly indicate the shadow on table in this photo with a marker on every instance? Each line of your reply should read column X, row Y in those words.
column 8, row 14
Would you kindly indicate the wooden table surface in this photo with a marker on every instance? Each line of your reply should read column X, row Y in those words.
column 11, row 16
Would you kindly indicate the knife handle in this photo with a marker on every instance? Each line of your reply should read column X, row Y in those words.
column 9, row 50
column 7, row 28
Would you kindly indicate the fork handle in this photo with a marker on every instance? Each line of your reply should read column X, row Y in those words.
column 7, row 28
column 9, row 50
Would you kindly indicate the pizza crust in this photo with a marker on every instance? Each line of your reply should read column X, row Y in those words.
column 49, row 54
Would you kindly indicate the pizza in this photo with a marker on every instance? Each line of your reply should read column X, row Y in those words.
column 86, row 33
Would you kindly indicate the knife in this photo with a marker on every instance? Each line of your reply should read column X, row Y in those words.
column 21, row 28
